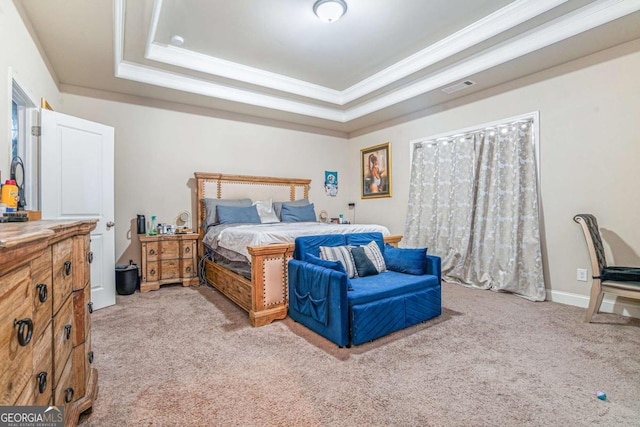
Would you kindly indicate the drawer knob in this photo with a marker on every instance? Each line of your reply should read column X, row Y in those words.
column 90, row 257
column 90, row 307
column 152, row 272
column 68, row 395
column 187, row 249
column 152, row 252
column 42, row 292
column 67, row 331
column 42, row 382
column 22, row 339
column 189, row 269
column 90, row 356
column 67, row 268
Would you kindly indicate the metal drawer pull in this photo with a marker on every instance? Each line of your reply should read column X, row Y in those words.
column 187, row 249
column 152, row 272
column 152, row 252
column 68, row 395
column 42, row 292
column 67, row 268
column 22, row 339
column 42, row 382
column 67, row 331
column 90, row 356
column 90, row 307
column 90, row 257
column 188, row 269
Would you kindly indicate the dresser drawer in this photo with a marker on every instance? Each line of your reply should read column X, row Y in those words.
column 62, row 272
column 42, row 378
column 62, row 338
column 81, row 319
column 80, row 262
column 16, row 360
column 88, row 256
column 65, row 391
column 80, row 361
column 41, row 282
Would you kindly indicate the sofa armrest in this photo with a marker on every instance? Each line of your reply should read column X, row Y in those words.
column 318, row 300
column 434, row 267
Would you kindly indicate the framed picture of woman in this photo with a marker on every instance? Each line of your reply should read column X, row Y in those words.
column 375, row 171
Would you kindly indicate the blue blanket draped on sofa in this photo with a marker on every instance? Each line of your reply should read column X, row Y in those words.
column 310, row 298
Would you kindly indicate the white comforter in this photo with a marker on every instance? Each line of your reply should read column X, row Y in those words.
column 237, row 237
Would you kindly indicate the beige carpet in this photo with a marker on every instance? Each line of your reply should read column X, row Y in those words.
column 188, row 357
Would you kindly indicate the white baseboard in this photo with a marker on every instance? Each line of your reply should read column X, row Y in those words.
column 610, row 304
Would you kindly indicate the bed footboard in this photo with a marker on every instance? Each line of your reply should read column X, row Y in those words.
column 265, row 297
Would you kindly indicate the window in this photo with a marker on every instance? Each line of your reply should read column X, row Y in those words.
column 23, row 145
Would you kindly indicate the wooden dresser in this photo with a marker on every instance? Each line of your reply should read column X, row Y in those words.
column 168, row 258
column 45, row 323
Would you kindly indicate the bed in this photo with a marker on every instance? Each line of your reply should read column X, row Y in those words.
column 262, row 290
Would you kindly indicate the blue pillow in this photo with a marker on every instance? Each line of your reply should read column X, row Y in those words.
column 333, row 265
column 277, row 206
column 211, row 209
column 298, row 213
column 406, row 260
column 238, row 215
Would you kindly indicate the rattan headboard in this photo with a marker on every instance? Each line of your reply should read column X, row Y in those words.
column 218, row 186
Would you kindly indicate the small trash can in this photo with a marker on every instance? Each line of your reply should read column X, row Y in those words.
column 127, row 279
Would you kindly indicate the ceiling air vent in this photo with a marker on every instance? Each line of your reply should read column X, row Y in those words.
column 458, row 86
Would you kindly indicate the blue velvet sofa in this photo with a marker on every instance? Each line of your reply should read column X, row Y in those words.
column 353, row 311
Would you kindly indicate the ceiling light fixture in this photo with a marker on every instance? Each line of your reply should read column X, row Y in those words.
column 177, row 40
column 329, row 10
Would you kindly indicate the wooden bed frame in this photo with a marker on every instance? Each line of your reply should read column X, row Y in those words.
column 265, row 296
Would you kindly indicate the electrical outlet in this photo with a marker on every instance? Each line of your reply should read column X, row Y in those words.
column 582, row 274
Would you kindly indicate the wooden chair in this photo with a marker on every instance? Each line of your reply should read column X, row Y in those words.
column 623, row 281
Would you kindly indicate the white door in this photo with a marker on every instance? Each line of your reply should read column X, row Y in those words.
column 76, row 182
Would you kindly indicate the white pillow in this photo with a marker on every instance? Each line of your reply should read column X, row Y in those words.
column 265, row 211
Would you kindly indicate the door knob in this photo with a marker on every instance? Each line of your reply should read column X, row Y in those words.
column 110, row 224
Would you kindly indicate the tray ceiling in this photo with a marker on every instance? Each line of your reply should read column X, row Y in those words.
column 274, row 60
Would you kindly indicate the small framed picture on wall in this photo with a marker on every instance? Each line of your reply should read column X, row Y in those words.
column 375, row 171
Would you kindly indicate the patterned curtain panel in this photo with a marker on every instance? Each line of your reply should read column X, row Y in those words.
column 473, row 201
column 441, row 202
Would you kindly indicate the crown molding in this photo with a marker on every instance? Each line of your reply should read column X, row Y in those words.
column 167, row 79
column 595, row 14
column 232, row 70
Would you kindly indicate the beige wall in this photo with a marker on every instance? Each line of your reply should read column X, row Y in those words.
column 19, row 59
column 157, row 151
column 589, row 151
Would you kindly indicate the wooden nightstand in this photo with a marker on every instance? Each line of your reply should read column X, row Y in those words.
column 168, row 258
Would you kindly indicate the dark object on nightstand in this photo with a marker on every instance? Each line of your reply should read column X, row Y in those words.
column 127, row 278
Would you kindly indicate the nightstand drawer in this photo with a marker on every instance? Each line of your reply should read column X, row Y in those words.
column 162, row 270
column 188, row 268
